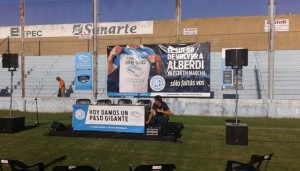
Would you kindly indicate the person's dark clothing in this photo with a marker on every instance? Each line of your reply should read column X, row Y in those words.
column 160, row 119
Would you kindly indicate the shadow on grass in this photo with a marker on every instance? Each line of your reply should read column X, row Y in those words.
column 30, row 127
column 211, row 133
column 278, row 142
column 60, row 159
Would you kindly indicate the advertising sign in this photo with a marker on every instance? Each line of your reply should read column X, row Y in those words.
column 79, row 29
column 84, row 71
column 280, row 25
column 190, row 31
column 109, row 118
column 159, row 69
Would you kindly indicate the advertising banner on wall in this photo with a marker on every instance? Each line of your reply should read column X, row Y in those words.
column 279, row 24
column 79, row 29
column 109, row 118
column 84, row 71
column 159, row 69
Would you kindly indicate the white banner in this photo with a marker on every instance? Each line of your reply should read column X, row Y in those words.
column 280, row 25
column 116, row 115
column 190, row 31
column 62, row 30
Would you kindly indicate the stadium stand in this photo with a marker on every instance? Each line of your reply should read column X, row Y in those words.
column 41, row 71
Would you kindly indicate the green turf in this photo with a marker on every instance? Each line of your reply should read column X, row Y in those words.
column 203, row 145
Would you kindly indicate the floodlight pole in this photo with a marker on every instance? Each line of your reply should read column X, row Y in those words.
column 271, row 48
column 8, row 47
column 95, row 51
column 178, row 19
column 22, row 6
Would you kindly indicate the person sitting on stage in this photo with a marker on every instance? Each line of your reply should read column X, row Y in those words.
column 159, row 115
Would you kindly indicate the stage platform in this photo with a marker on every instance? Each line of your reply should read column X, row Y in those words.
column 68, row 132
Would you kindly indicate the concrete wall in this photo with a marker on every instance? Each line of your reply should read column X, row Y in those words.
column 180, row 106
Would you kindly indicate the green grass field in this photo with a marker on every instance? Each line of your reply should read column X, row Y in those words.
column 203, row 145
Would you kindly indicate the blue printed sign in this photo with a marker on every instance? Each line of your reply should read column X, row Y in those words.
column 84, row 71
column 129, row 119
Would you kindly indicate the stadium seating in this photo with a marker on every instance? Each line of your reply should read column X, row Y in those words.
column 83, row 101
column 41, row 71
column 103, row 101
column 149, row 106
column 124, row 101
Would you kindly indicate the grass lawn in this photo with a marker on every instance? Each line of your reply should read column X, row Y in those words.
column 203, row 145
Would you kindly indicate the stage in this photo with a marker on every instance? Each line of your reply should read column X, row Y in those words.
column 69, row 132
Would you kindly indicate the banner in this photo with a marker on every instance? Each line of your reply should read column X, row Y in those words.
column 78, row 29
column 279, row 24
column 84, row 71
column 109, row 118
column 159, row 69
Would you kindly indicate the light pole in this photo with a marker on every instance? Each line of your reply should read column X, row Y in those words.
column 271, row 48
column 95, row 51
column 22, row 16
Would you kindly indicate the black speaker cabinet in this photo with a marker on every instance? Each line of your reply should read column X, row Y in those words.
column 12, row 124
column 57, row 126
column 236, row 134
column 10, row 60
column 236, row 57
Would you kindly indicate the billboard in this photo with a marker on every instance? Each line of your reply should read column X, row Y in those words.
column 170, row 70
column 84, row 71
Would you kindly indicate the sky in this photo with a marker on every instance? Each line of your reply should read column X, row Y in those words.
column 80, row 11
column 165, row 9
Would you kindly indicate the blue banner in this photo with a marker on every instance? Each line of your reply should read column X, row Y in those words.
column 84, row 71
column 108, row 118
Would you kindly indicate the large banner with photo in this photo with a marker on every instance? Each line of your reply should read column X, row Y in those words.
column 170, row 70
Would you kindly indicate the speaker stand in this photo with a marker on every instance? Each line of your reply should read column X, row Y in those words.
column 236, row 93
column 236, row 133
column 36, row 106
column 11, row 124
column 11, row 90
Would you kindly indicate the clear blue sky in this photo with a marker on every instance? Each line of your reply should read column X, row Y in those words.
column 120, row 10
column 80, row 11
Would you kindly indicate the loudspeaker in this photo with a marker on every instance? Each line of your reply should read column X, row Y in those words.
column 10, row 60
column 236, row 57
column 236, row 134
column 58, row 126
column 12, row 124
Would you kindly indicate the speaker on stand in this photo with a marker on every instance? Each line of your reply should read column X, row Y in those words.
column 16, row 123
column 236, row 133
column 10, row 61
